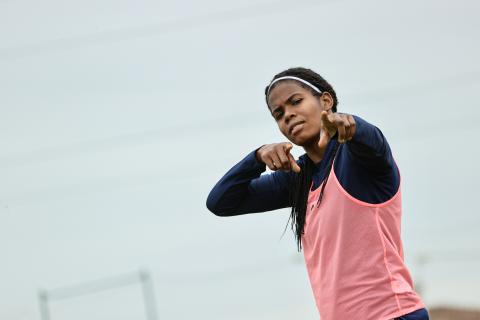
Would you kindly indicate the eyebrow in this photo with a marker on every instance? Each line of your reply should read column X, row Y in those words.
column 289, row 100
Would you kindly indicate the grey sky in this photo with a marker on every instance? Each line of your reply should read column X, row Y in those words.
column 117, row 117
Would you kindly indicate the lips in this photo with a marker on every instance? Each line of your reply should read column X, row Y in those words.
column 292, row 127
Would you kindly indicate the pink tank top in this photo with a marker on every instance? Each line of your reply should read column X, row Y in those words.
column 354, row 257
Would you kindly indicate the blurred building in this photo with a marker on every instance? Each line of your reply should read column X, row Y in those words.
column 445, row 313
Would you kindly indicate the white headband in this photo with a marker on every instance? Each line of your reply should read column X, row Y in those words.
column 293, row 78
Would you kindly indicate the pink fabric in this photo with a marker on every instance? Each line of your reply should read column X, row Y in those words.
column 354, row 257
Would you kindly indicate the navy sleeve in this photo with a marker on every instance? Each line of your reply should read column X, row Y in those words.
column 369, row 147
column 365, row 165
column 243, row 189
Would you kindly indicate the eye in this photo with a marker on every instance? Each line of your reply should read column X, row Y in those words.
column 278, row 115
column 297, row 101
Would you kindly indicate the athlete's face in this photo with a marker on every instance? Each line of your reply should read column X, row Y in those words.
column 297, row 111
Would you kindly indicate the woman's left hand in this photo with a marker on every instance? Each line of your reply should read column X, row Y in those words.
column 334, row 122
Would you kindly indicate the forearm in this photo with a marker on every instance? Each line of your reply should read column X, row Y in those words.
column 244, row 190
column 369, row 146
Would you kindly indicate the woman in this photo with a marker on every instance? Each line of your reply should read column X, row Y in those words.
column 345, row 198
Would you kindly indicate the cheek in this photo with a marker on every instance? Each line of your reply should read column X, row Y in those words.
column 314, row 120
column 315, row 125
column 313, row 107
column 282, row 128
column 311, row 130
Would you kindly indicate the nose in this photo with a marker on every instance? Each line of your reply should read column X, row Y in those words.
column 289, row 114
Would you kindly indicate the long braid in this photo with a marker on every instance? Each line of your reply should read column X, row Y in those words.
column 299, row 199
column 299, row 195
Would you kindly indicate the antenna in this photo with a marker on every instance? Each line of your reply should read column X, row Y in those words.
column 141, row 277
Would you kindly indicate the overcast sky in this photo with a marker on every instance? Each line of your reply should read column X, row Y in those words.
column 118, row 117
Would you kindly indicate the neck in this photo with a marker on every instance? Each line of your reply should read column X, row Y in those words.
column 314, row 152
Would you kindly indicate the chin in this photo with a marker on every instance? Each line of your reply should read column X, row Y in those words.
column 304, row 140
column 300, row 140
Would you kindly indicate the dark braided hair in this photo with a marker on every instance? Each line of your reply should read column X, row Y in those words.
column 302, row 181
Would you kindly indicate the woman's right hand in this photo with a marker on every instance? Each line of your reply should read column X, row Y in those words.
column 277, row 157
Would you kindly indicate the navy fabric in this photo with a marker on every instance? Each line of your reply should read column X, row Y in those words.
column 421, row 314
column 364, row 166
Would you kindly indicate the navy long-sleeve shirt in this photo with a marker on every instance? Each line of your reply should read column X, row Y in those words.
column 364, row 166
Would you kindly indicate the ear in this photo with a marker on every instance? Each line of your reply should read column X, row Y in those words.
column 326, row 101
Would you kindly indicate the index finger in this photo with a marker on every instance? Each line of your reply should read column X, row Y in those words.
column 324, row 139
column 295, row 167
column 293, row 164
